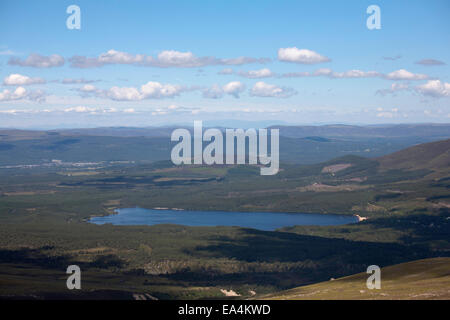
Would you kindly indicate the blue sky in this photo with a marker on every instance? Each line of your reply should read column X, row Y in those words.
column 143, row 63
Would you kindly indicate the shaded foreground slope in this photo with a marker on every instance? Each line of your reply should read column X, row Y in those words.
column 420, row 279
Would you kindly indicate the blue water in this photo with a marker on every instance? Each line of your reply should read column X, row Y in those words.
column 258, row 220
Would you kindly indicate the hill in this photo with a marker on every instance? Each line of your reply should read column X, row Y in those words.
column 433, row 155
column 420, row 279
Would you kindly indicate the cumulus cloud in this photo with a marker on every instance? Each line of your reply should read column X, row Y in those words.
column 150, row 90
column 395, row 87
column 256, row 74
column 165, row 59
column 110, row 57
column 434, row 88
column 233, row 88
column 303, row 56
column 18, row 111
column 430, row 62
column 16, row 79
column 326, row 72
column 80, row 109
column 124, row 94
column 403, row 74
column 20, row 93
column 38, row 61
column 157, row 90
column 355, row 74
column 262, row 89
column 88, row 88
column 214, row 92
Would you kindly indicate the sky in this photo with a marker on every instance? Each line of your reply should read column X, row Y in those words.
column 151, row 63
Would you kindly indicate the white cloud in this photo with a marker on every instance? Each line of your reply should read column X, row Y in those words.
column 395, row 87
column 255, row 74
column 214, row 92
column 124, row 94
column 16, row 79
column 304, row 56
column 110, row 57
column 150, row 90
column 262, row 89
column 38, row 61
column 326, row 72
column 21, row 93
column 234, row 88
column 157, row 90
column 403, row 74
column 165, row 59
column 435, row 88
column 174, row 58
column 80, row 109
column 355, row 74
column 88, row 88
column 323, row 72
column 90, row 110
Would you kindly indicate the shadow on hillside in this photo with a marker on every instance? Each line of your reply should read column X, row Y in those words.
column 297, row 259
column 423, row 229
column 262, row 246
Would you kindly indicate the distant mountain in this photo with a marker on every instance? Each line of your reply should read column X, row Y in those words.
column 416, row 280
column 436, row 131
column 153, row 144
column 120, row 132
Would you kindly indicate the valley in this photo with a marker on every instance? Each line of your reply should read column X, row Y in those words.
column 44, row 210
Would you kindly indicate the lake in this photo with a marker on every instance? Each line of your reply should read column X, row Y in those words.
column 268, row 221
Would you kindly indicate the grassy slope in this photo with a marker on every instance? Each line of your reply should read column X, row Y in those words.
column 421, row 279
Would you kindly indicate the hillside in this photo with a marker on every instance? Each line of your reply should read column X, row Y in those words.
column 420, row 279
column 433, row 155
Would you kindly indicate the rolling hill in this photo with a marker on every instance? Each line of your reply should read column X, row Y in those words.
column 433, row 155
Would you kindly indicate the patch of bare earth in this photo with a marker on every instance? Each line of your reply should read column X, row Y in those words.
column 336, row 167
column 320, row 187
